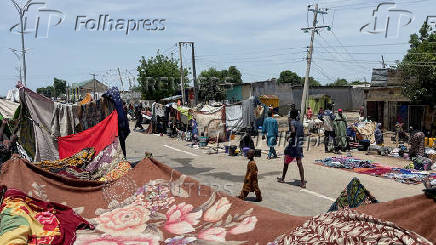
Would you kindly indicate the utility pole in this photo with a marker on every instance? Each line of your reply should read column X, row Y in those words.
column 121, row 79
column 182, row 85
column 194, row 74
column 194, row 71
column 314, row 29
column 93, row 78
column 21, row 12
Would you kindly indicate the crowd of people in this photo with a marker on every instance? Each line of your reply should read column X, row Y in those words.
column 337, row 137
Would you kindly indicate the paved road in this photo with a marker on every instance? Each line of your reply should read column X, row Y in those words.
column 227, row 173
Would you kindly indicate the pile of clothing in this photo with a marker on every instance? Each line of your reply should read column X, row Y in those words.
column 421, row 163
column 353, row 196
column 346, row 162
column 406, row 176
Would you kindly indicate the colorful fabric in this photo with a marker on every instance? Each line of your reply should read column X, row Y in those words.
column 349, row 227
column 97, row 137
column 345, row 162
column 106, row 161
column 250, row 180
column 26, row 220
column 121, row 170
column 154, row 204
column 422, row 163
column 353, row 196
column 86, row 100
column 79, row 159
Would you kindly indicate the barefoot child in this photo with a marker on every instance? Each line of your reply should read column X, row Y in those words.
column 250, row 181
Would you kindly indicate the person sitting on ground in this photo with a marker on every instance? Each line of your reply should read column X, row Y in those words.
column 250, row 180
column 271, row 129
column 294, row 150
column 246, row 142
column 7, row 146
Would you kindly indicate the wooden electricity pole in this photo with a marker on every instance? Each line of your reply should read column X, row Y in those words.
column 194, row 74
column 194, row 71
column 314, row 29
column 182, row 84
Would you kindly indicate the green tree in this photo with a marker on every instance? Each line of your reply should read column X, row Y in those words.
column 47, row 91
column 210, row 88
column 290, row 77
column 339, row 82
column 60, row 87
column 159, row 77
column 233, row 75
column 312, row 82
column 418, row 67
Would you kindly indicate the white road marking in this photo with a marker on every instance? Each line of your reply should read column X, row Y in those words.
column 318, row 195
column 186, row 152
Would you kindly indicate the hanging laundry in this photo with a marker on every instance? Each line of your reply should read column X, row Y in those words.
column 97, row 137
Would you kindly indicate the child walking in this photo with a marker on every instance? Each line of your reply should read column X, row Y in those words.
column 250, row 181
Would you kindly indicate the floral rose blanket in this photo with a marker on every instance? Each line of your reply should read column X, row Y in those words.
column 153, row 204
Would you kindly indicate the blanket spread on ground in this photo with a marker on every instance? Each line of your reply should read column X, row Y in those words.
column 26, row 220
column 154, row 204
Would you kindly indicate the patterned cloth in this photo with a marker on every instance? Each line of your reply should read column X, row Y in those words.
column 349, row 227
column 79, row 159
column 417, row 145
column 107, row 166
column 121, row 170
column 345, row 162
column 26, row 220
column 250, row 180
column 353, row 196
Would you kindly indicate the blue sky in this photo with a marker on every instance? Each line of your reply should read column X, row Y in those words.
column 261, row 38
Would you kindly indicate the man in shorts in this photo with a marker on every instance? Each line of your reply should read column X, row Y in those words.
column 294, row 150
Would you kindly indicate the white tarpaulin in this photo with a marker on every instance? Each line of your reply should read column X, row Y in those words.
column 8, row 108
column 210, row 123
column 234, row 120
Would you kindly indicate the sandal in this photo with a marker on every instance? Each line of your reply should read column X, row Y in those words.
column 280, row 180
